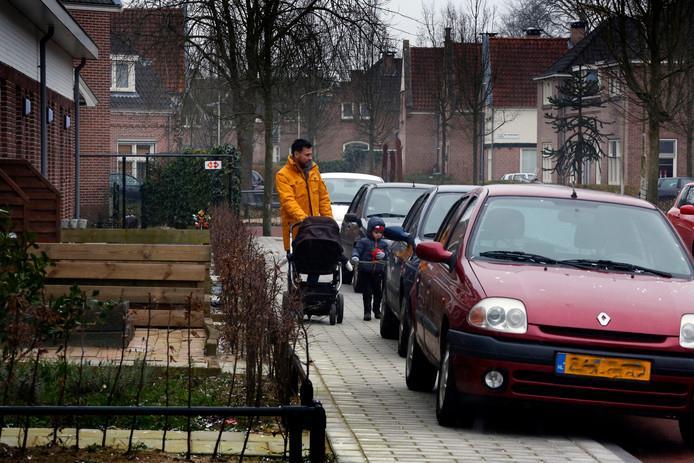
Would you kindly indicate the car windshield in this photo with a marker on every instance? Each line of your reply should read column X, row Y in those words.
column 585, row 234
column 342, row 190
column 129, row 180
column 670, row 182
column 391, row 202
column 438, row 208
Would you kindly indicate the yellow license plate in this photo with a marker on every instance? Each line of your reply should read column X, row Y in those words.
column 602, row 367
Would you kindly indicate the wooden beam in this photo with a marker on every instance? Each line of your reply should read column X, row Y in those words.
column 135, row 294
column 127, row 271
column 127, row 252
column 136, row 236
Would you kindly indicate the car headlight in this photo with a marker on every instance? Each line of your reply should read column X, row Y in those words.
column 507, row 315
column 687, row 331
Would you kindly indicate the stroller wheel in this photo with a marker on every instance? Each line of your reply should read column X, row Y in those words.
column 333, row 314
column 340, row 307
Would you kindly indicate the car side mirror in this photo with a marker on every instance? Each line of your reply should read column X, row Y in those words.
column 433, row 251
column 687, row 209
column 396, row 233
column 351, row 217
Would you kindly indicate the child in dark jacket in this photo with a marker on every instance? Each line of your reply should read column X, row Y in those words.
column 370, row 253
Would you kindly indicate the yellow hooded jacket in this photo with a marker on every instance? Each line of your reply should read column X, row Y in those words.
column 299, row 196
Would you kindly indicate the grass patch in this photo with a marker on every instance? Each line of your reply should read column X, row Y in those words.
column 99, row 386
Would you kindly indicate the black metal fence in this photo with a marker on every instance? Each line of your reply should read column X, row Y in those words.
column 298, row 417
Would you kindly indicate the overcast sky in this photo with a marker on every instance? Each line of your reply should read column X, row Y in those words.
column 407, row 15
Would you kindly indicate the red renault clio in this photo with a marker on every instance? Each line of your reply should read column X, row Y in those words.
column 550, row 294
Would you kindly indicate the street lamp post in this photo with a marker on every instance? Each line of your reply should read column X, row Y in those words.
column 298, row 107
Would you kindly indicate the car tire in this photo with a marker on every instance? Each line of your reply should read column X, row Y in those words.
column 340, row 308
column 446, row 392
column 687, row 429
column 419, row 373
column 404, row 328
column 388, row 323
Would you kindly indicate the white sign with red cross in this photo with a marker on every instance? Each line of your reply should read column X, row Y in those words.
column 213, row 165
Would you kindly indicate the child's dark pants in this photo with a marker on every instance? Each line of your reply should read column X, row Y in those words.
column 372, row 289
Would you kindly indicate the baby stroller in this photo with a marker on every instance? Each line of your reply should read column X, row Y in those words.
column 316, row 249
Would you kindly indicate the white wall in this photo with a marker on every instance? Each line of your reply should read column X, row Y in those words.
column 514, row 126
column 19, row 49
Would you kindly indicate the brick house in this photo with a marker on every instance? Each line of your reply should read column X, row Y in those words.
column 147, row 84
column 336, row 118
column 49, row 144
column 625, row 132
column 95, row 17
column 436, row 128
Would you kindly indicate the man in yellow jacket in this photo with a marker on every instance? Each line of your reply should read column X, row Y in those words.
column 301, row 189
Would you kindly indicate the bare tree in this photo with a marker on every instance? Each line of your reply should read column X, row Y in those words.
column 647, row 49
column 545, row 15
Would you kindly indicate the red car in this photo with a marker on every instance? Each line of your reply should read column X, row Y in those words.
column 549, row 294
column 681, row 215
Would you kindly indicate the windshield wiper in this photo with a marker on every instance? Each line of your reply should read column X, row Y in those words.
column 613, row 265
column 518, row 256
column 384, row 214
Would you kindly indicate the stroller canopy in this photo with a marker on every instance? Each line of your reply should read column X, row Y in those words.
column 317, row 248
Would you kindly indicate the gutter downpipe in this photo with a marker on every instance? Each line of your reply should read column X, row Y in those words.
column 76, row 96
column 44, row 101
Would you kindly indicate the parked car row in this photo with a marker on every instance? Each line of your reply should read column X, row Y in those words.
column 537, row 293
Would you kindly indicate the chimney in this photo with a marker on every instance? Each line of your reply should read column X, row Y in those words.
column 533, row 32
column 578, row 32
column 388, row 58
column 447, row 36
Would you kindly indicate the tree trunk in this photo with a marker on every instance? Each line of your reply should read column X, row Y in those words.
column 372, row 153
column 244, row 134
column 689, row 137
column 475, row 147
column 269, row 181
column 652, row 159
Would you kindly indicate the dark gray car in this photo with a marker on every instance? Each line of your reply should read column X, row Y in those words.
column 669, row 187
column 421, row 223
column 390, row 201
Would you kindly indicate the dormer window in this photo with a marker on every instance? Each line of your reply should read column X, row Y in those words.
column 123, row 73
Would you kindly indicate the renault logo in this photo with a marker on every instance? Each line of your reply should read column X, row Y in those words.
column 603, row 318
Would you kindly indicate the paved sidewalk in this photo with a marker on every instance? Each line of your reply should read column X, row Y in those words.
column 373, row 417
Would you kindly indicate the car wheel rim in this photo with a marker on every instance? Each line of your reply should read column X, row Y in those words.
column 443, row 378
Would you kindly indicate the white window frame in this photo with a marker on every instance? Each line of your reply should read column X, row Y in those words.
column 520, row 168
column 547, row 91
column 349, row 116
column 667, row 155
column 614, row 86
column 614, row 161
column 546, row 163
column 364, row 108
column 128, row 60
column 133, row 160
column 354, row 142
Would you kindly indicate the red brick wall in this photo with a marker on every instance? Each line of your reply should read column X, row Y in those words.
column 157, row 127
column 20, row 135
column 418, row 136
column 95, row 122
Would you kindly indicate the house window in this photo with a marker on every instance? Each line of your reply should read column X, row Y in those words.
column 364, row 112
column 547, row 91
column 614, row 162
column 546, row 163
column 123, row 73
column 353, row 146
column 614, row 87
column 135, row 163
column 528, row 160
column 668, row 154
column 347, row 111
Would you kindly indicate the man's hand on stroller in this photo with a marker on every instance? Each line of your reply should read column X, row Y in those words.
column 380, row 255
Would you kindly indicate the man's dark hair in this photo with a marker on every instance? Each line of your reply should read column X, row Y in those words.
column 299, row 144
